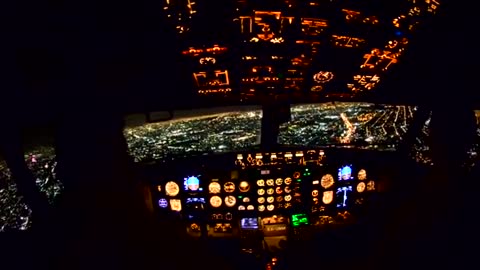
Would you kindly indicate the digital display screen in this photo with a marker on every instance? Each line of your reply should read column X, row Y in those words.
column 343, row 196
column 299, row 219
column 163, row 203
column 192, row 183
column 249, row 223
column 345, row 173
column 195, row 200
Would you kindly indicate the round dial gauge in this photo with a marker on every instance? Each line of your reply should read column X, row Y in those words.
column 241, row 208
column 261, row 192
column 288, row 181
column 279, row 198
column 361, row 187
column 296, row 175
column 279, row 190
column 229, row 187
column 270, row 199
column 250, row 207
column 323, row 77
column 172, row 189
column 230, row 201
column 260, row 183
column 288, row 190
column 315, row 193
column 270, row 182
column 163, row 203
column 371, row 185
column 327, row 197
column 244, row 186
column 246, row 200
column 194, row 227
column 279, row 181
column 261, row 200
column 362, row 175
column 214, row 187
column 327, row 181
column 215, row 201
column 261, row 208
column 288, row 198
column 270, row 191
column 270, row 207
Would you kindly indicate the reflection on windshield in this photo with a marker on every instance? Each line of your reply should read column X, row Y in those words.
column 197, row 133
column 370, row 125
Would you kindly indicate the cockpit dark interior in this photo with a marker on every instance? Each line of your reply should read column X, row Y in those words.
column 238, row 134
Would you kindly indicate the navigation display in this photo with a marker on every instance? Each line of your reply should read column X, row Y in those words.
column 192, row 183
column 249, row 223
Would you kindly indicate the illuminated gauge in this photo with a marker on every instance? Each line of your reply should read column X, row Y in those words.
column 159, row 188
column 270, row 200
column 230, row 201
column 228, row 216
column 279, row 190
column 314, row 193
column 279, row 181
column 214, row 188
column 244, row 186
column 288, row 198
column 288, row 181
column 323, row 77
column 270, row 191
column 270, row 207
column 194, row 227
column 371, row 185
column 176, row 205
column 327, row 181
column 246, row 200
column 362, row 175
column 163, row 203
column 327, row 197
column 215, row 201
column 315, row 201
column 172, row 189
column 296, row 175
column 288, row 190
column 229, row 187
column 261, row 208
column 261, row 200
column 241, row 208
column 250, row 208
column 261, row 183
column 261, row 192
column 270, row 182
column 361, row 187
column 279, row 198
column 316, row 88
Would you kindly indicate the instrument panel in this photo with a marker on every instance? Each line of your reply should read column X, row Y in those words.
column 233, row 193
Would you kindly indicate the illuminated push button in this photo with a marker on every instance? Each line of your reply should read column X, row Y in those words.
column 270, row 191
column 215, row 201
column 362, row 175
column 270, row 182
column 279, row 181
column 288, row 181
column 270, row 207
column 261, row 192
column 260, row 183
column 371, row 185
column 261, row 200
column 230, row 201
column 327, row 197
column 270, row 200
column 261, row 208
column 279, row 190
column 327, row 181
column 361, row 187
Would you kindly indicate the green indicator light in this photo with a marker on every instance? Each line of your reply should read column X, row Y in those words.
column 240, row 197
